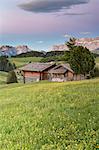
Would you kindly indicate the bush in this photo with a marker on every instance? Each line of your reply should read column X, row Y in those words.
column 11, row 78
column 5, row 64
column 96, row 72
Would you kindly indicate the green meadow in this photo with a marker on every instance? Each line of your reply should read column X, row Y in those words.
column 97, row 59
column 97, row 62
column 50, row 116
column 24, row 60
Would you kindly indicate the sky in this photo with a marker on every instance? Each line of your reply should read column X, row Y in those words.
column 40, row 24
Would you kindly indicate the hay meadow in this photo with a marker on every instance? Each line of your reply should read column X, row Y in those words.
column 50, row 116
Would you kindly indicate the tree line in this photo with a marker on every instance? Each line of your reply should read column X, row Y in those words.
column 6, row 65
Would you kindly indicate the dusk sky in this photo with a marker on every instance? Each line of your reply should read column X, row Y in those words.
column 43, row 23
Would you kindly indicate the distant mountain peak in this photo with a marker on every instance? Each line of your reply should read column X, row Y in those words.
column 6, row 50
column 91, row 43
column 22, row 49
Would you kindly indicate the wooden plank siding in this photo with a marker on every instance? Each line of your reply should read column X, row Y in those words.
column 30, row 76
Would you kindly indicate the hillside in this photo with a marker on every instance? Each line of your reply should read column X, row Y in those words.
column 25, row 60
column 50, row 116
column 97, row 60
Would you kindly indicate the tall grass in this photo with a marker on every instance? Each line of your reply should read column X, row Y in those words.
column 50, row 116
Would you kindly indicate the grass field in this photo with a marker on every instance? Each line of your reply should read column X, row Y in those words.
column 97, row 59
column 22, row 61
column 50, row 116
column 97, row 62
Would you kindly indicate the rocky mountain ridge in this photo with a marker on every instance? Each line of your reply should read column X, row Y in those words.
column 7, row 50
column 91, row 43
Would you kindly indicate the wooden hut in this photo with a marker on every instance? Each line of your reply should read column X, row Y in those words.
column 36, row 71
column 63, row 72
column 49, row 71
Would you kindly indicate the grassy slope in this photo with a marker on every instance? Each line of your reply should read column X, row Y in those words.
column 50, row 116
column 97, row 60
column 22, row 61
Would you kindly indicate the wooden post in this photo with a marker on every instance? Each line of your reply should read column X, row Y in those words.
column 40, row 76
column 23, row 77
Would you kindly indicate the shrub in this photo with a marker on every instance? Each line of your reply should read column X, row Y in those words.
column 5, row 64
column 95, row 72
column 11, row 78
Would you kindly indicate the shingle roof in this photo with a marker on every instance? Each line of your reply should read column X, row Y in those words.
column 58, row 69
column 38, row 67
column 62, row 68
column 68, row 67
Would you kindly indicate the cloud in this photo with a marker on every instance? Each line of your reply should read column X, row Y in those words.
column 85, row 33
column 48, row 6
column 67, row 36
column 40, row 42
column 72, row 14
